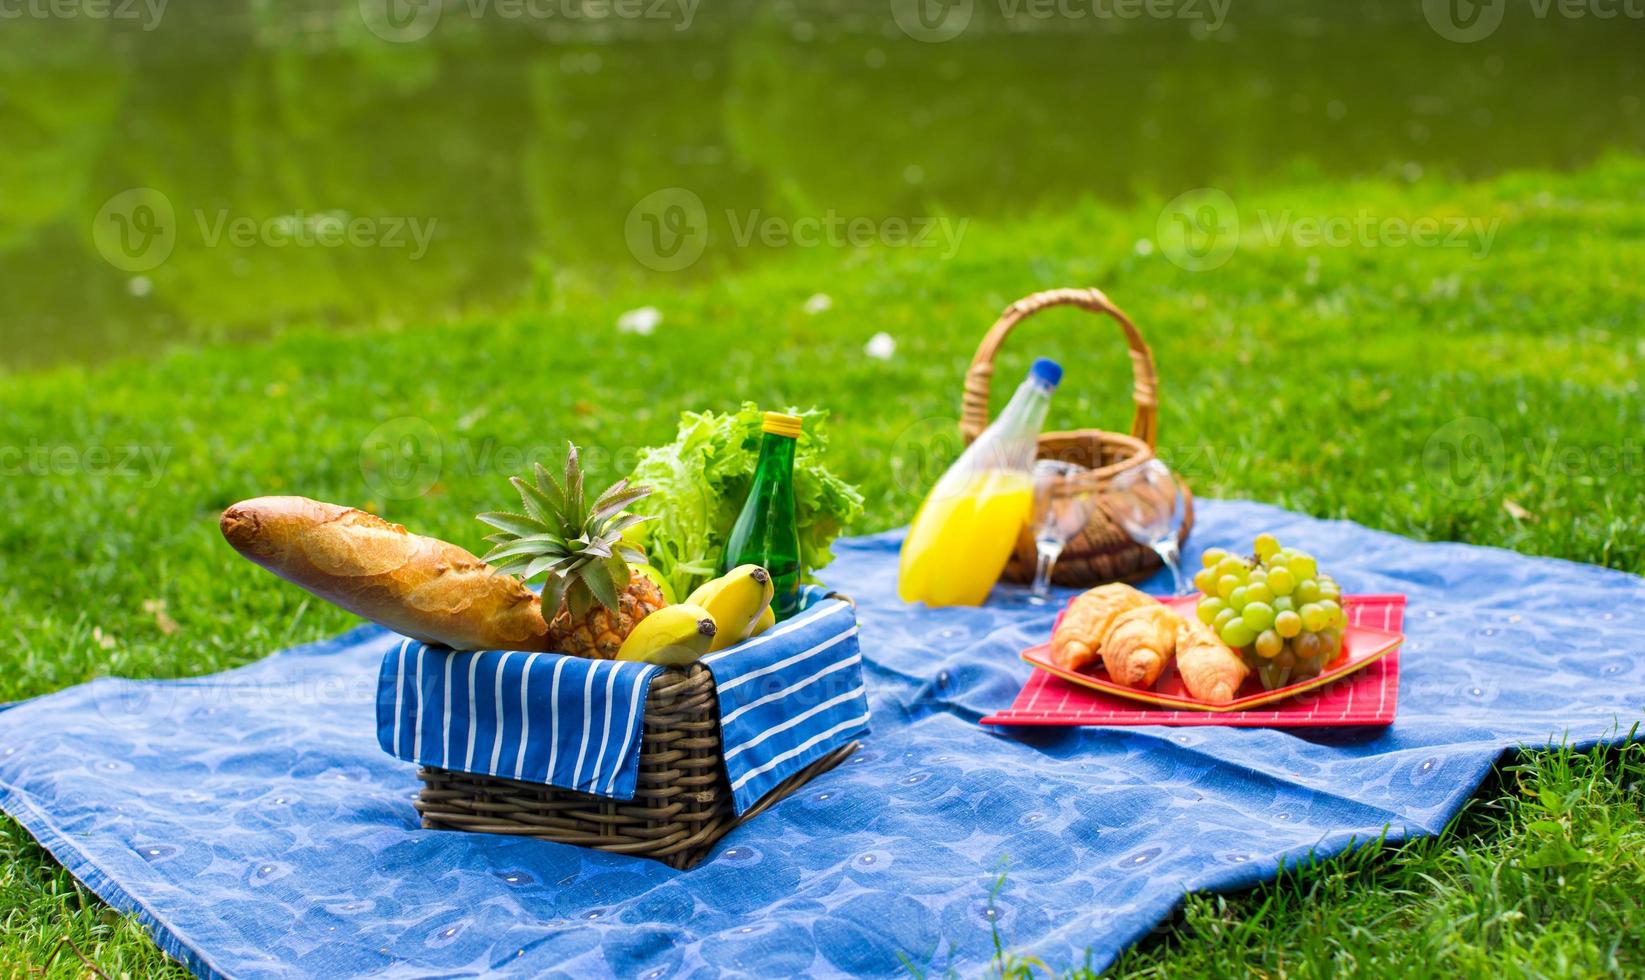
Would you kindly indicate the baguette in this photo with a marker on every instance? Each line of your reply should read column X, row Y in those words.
column 421, row 587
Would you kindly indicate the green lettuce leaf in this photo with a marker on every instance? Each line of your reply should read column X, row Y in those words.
column 701, row 479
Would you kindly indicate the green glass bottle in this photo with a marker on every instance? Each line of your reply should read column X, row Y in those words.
column 765, row 533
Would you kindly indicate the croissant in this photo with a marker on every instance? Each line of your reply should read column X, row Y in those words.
column 1077, row 641
column 1139, row 644
column 1210, row 670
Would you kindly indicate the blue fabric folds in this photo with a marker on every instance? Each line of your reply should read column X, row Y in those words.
column 787, row 697
column 253, row 824
column 537, row 717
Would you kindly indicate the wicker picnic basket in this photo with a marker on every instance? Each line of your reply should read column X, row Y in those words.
column 1103, row 552
column 682, row 805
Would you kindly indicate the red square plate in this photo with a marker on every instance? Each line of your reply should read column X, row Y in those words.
column 1361, row 688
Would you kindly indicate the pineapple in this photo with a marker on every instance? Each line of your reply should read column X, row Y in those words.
column 591, row 598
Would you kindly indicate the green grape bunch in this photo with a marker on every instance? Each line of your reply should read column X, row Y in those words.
column 1275, row 609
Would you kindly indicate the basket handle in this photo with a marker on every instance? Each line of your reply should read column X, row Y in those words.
column 1145, row 382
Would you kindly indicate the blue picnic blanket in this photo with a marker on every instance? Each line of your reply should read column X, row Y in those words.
column 787, row 697
column 251, row 821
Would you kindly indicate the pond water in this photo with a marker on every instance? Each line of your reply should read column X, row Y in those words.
column 173, row 175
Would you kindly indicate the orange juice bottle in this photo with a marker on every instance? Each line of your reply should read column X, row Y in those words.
column 969, row 523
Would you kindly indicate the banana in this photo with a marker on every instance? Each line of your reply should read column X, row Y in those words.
column 735, row 600
column 672, row 636
column 767, row 620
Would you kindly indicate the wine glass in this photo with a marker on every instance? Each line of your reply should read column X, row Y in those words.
column 1061, row 508
column 1147, row 503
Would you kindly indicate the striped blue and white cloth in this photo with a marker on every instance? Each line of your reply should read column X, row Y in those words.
column 787, row 697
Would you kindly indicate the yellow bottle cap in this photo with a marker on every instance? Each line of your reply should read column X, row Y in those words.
column 779, row 424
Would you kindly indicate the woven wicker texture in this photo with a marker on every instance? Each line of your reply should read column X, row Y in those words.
column 681, row 807
column 1103, row 552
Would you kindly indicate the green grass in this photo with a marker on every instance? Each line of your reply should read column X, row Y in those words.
column 1539, row 876
column 1331, row 380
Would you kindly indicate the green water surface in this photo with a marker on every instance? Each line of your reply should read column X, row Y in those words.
column 227, row 168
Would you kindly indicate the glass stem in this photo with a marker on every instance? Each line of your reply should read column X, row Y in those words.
column 1170, row 554
column 1042, row 569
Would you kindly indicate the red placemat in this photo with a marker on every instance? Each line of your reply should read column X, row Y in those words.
column 1368, row 697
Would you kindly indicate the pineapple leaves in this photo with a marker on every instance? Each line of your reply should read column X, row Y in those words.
column 519, row 525
column 593, row 547
column 602, row 580
column 578, row 600
column 618, row 496
column 535, row 500
column 553, row 595
column 581, row 555
column 573, row 483
column 534, row 544
column 550, row 488
column 617, row 525
column 540, row 565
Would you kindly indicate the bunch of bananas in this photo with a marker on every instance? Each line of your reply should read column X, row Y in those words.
column 725, row 611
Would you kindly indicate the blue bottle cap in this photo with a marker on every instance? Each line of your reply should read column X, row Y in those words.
column 1046, row 370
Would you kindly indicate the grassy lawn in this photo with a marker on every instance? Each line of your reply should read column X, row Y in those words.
column 1332, row 379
